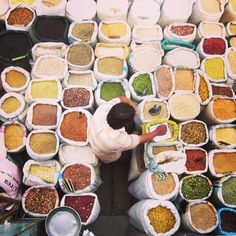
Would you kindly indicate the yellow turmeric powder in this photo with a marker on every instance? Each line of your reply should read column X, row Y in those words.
column 215, row 68
column 224, row 109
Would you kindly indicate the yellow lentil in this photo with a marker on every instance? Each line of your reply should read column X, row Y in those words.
column 232, row 3
column 44, row 89
column 232, row 61
column 215, row 68
column 161, row 218
column 26, row 2
column 10, row 105
column 232, row 28
column 211, row 6
column 114, row 30
column 203, row 89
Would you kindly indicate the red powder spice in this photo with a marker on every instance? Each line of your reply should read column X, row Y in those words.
column 74, row 126
column 214, row 46
column 82, row 204
column 196, row 160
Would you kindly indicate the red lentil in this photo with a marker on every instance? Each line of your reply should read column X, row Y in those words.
column 196, row 160
column 82, row 204
column 76, row 97
column 214, row 46
column 182, row 30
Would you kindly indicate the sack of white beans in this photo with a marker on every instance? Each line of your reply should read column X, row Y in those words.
column 182, row 31
column 73, row 154
column 142, row 215
column 43, row 115
column 207, row 11
column 150, row 185
column 144, row 12
column 171, row 13
column 56, row 8
column 182, row 57
column 112, row 10
column 48, row 48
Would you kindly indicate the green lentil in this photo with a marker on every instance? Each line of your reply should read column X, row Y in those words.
column 229, row 191
column 142, row 85
column 110, row 90
column 195, row 187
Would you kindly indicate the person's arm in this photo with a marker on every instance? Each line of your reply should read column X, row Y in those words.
column 124, row 99
column 160, row 130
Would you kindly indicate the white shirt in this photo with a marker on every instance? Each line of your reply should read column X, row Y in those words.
column 106, row 142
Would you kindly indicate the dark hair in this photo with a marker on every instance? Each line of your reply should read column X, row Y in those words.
column 121, row 115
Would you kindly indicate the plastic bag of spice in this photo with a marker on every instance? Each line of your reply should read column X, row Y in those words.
column 196, row 160
column 222, row 162
column 182, row 57
column 158, row 186
column 14, row 136
column 193, row 133
column 106, row 68
column 42, row 90
column 200, row 217
column 207, row 11
column 153, row 109
column 42, row 145
column 83, row 32
column 73, row 126
column 142, row 86
column 230, row 58
column 109, row 89
column 73, row 154
column 43, row 115
column 208, row 28
column 80, row 78
column 213, row 45
column 142, row 215
column 83, row 177
column 48, row 48
column 50, row 67
column 38, row 201
column 41, row 173
column 86, row 204
column 112, row 10
column 223, row 136
column 77, row 97
column 223, row 193
column 229, row 12
column 182, row 31
column 20, row 18
column 220, row 111
column 15, row 79
column 56, row 7
column 203, row 88
column 231, row 29
column 12, row 105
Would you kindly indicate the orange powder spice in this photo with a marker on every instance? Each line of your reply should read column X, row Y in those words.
column 224, row 109
column 224, row 162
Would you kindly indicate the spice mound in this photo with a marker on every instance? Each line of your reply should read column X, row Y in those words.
column 51, row 3
column 161, row 219
column 83, row 31
column 183, row 30
column 232, row 61
column 222, row 90
column 110, row 90
column 84, row 80
column 10, row 105
column 211, row 6
column 228, row 219
column 158, row 149
column 193, row 133
column 44, row 89
column 195, row 187
column 224, row 109
column 13, row 136
column 164, row 81
column 142, row 85
column 215, row 68
column 110, row 66
column 226, row 136
column 79, row 175
column 82, row 204
column 20, row 16
column 76, row 97
column 40, row 200
column 80, row 54
column 114, row 30
column 43, row 143
column 203, row 90
column 214, row 46
column 196, row 160
column 184, row 79
column 212, row 29
column 162, row 114
column 44, row 172
column 228, row 191
column 44, row 115
column 163, row 184
column 50, row 66
column 203, row 216
column 224, row 162
column 74, row 126
column 15, row 79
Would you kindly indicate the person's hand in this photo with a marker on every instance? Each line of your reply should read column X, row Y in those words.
column 161, row 130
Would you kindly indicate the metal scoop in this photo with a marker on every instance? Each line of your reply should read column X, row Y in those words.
column 155, row 110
